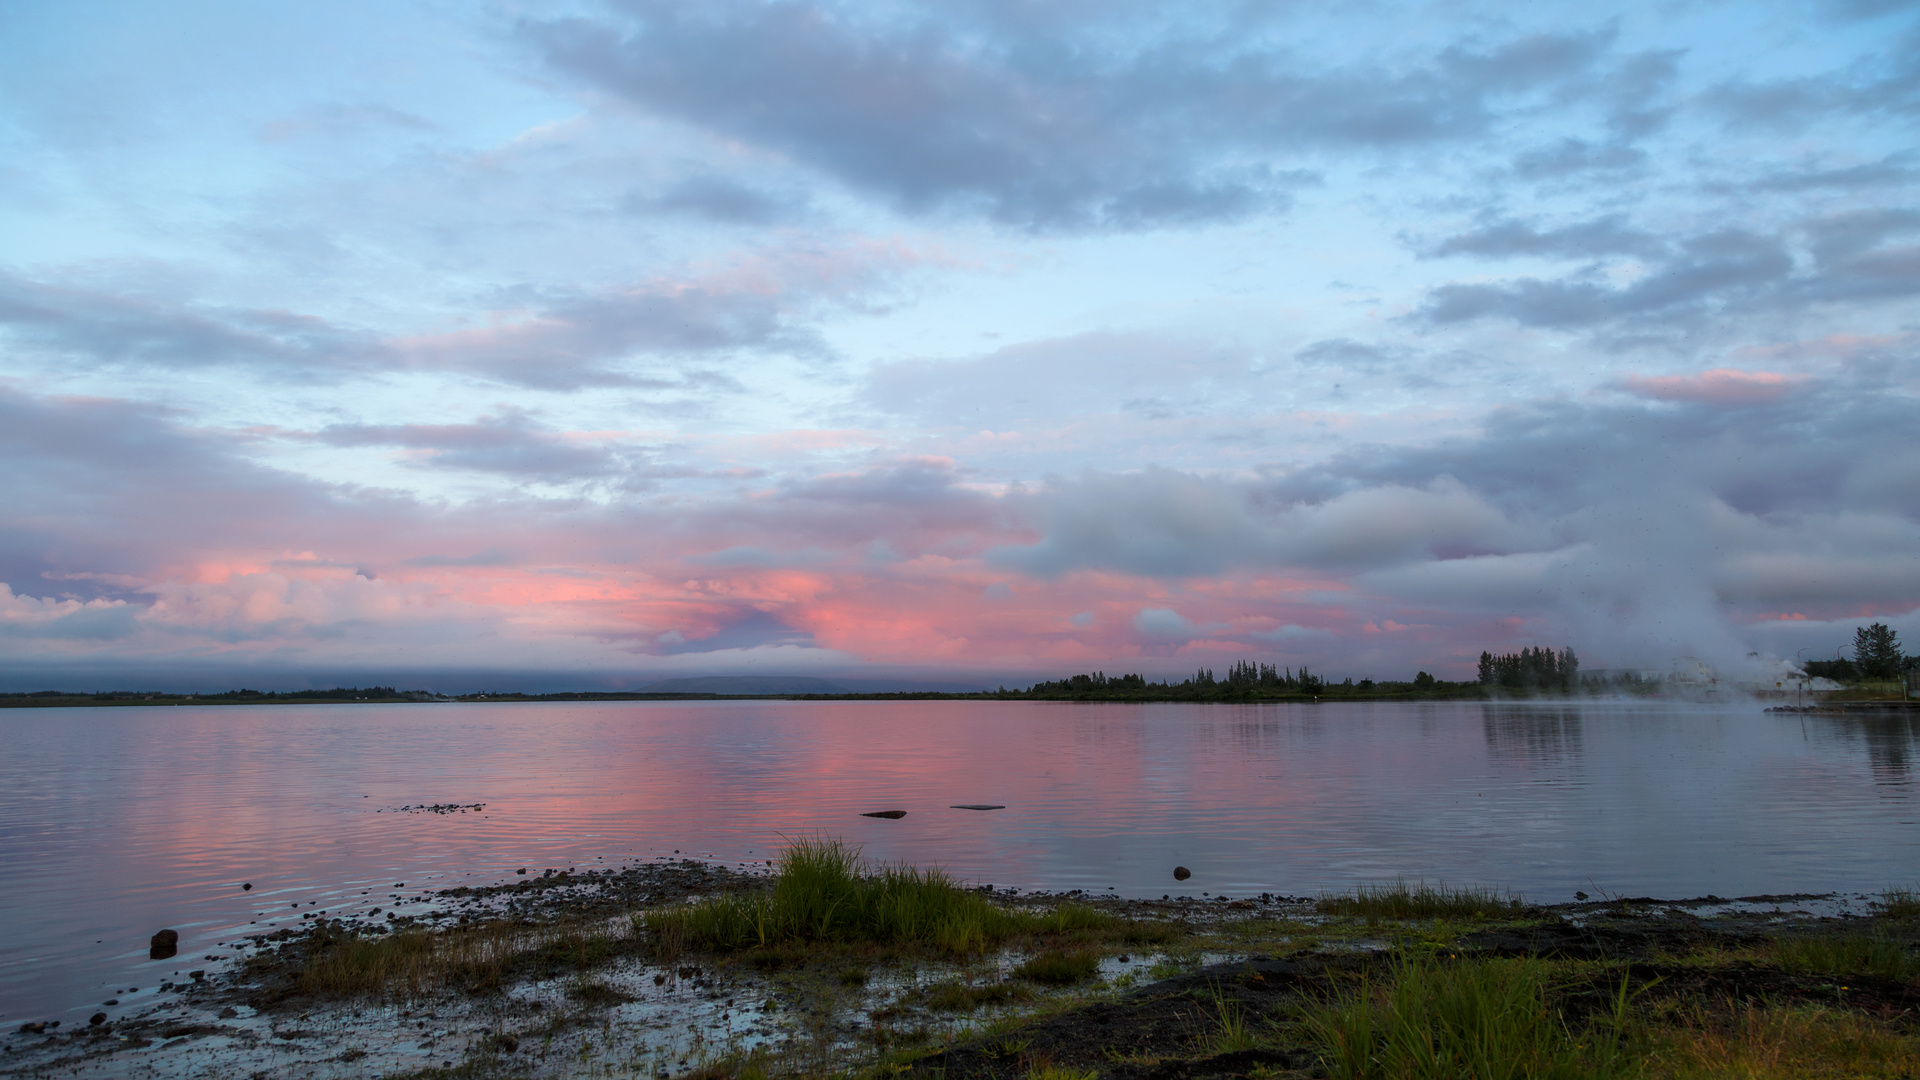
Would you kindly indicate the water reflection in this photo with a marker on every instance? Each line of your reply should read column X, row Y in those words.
column 1890, row 741
column 1535, row 735
column 115, row 822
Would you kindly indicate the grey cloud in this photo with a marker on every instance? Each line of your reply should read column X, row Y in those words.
column 106, row 328
column 1894, row 170
column 1503, row 239
column 1868, row 86
column 509, row 445
column 646, row 336
column 1100, row 372
column 1703, row 274
column 717, row 199
column 1164, row 523
column 1570, row 156
column 962, row 110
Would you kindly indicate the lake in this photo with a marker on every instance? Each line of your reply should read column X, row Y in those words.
column 115, row 822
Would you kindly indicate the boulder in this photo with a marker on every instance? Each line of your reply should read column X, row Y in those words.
column 1181, row 873
column 891, row 815
column 164, row 945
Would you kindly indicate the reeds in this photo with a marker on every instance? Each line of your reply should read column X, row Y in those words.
column 415, row 963
column 822, row 893
column 1059, row 967
column 1854, row 954
column 1401, row 900
column 1486, row 1019
column 1899, row 903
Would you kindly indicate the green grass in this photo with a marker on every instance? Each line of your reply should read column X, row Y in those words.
column 822, row 893
column 1485, row 1019
column 414, row 963
column 958, row 997
column 1900, row 903
column 1857, row 954
column 1059, row 968
column 1421, row 901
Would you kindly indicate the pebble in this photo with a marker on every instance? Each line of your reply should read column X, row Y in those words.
column 1181, row 873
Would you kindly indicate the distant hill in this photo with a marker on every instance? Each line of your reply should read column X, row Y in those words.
column 744, row 684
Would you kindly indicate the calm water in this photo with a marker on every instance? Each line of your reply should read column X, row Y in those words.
column 116, row 822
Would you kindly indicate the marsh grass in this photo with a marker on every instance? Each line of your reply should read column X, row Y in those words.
column 1855, row 954
column 1060, row 968
column 1771, row 1042
column 1231, row 1029
column 958, row 997
column 1419, row 900
column 1900, row 903
column 415, row 963
column 1487, row 1019
column 822, row 893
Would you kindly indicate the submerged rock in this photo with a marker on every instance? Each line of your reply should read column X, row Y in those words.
column 979, row 806
column 1181, row 873
column 164, row 945
column 891, row 815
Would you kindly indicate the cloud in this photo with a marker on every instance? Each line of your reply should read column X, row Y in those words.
column 1721, row 386
column 973, row 110
column 1706, row 273
column 719, row 199
column 1507, row 239
column 663, row 333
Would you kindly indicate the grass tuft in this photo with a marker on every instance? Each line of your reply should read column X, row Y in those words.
column 1857, row 954
column 1900, row 903
column 1486, row 1019
column 958, row 997
column 1057, row 968
column 1421, row 901
column 414, row 963
column 821, row 892
column 1772, row 1042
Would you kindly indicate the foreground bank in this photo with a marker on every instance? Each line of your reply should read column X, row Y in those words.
column 825, row 967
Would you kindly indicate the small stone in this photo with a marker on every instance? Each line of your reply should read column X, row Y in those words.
column 1181, row 873
column 111, row 1001
column 197, row 975
column 507, row 1041
column 164, row 945
column 248, row 887
column 96, row 1019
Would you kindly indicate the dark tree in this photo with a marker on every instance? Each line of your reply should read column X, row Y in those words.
column 1876, row 652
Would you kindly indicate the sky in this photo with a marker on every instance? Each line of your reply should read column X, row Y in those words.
column 961, row 343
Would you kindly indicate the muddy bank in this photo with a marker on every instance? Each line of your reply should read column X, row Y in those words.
column 554, row 977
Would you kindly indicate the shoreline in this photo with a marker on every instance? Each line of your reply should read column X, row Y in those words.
column 581, row 980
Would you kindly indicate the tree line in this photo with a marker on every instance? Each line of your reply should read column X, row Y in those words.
column 1876, row 655
column 1531, row 668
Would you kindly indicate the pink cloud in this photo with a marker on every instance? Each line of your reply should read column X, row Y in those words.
column 1725, row 387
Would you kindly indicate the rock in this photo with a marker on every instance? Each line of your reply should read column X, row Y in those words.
column 891, row 815
column 507, row 1041
column 197, row 975
column 978, row 806
column 229, row 1013
column 96, row 1019
column 111, row 1001
column 248, row 887
column 1181, row 873
column 164, row 945
column 37, row 1028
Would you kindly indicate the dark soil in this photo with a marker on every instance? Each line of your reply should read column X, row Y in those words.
column 1169, row 1030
